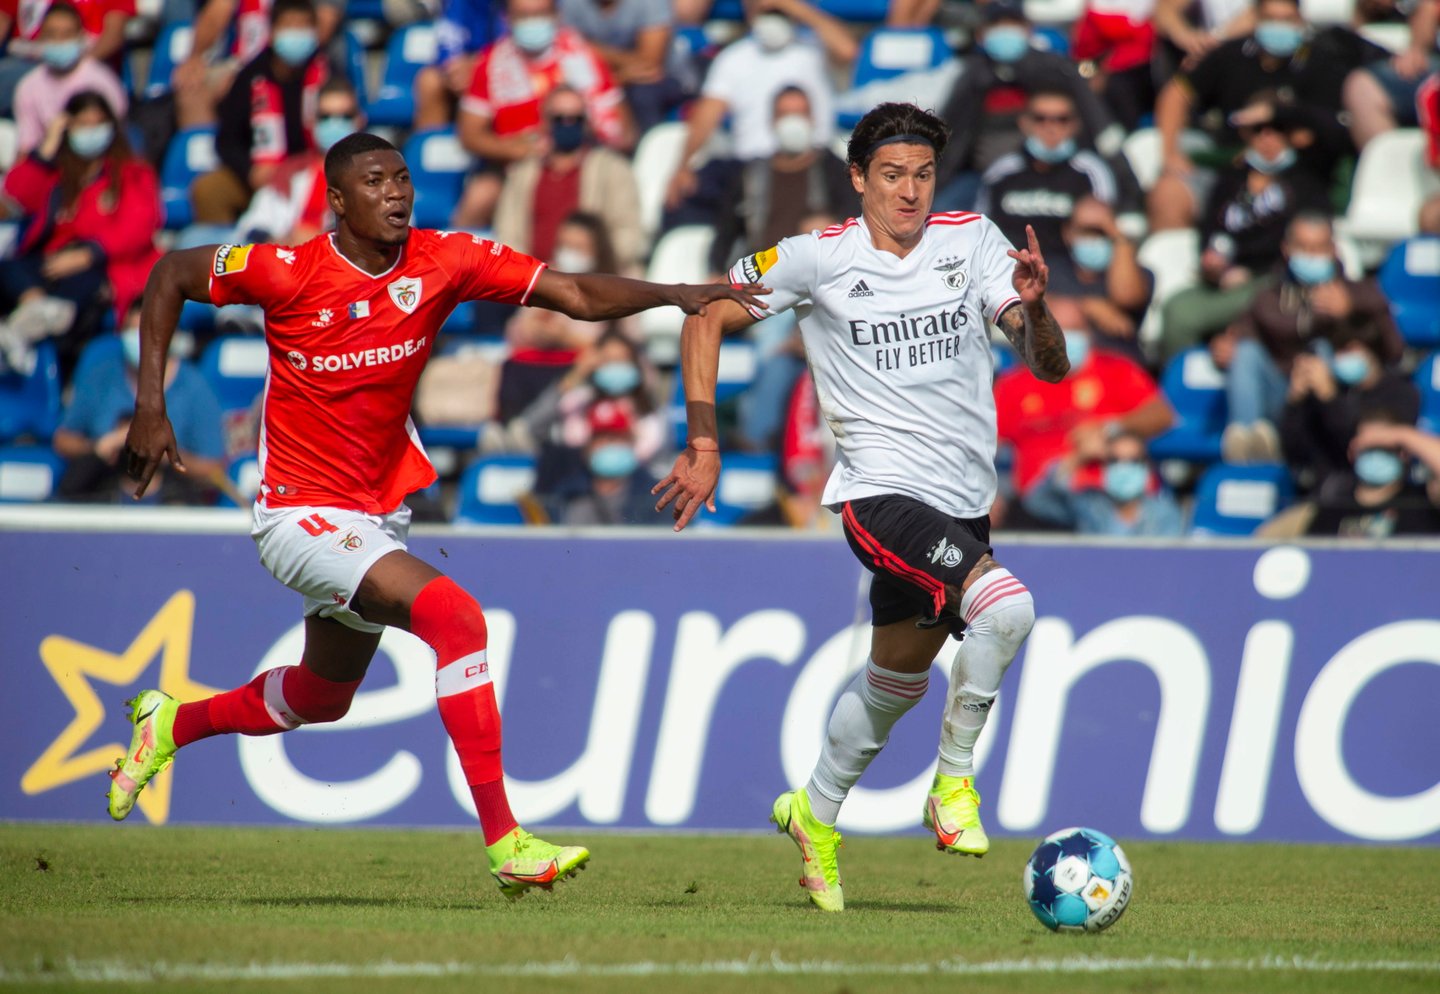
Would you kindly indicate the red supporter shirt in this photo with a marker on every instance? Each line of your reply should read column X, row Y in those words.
column 346, row 351
column 509, row 86
column 26, row 15
column 1036, row 417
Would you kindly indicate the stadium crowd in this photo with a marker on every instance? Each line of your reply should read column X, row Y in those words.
column 1239, row 202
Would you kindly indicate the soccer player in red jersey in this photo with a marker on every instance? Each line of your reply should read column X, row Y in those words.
column 350, row 320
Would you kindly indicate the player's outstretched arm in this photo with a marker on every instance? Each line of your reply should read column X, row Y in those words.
column 595, row 297
column 176, row 278
column 1031, row 328
column 691, row 482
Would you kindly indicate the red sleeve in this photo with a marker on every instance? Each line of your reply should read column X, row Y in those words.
column 245, row 274
column 1006, row 416
column 29, row 184
column 486, row 270
column 130, row 229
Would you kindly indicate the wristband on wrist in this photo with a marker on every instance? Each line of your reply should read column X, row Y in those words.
column 692, row 445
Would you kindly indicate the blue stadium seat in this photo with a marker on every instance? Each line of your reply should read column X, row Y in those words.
column 1196, row 389
column 191, row 154
column 1410, row 277
column 172, row 47
column 235, row 366
column 747, row 483
column 30, row 405
column 1427, row 379
column 856, row 10
column 28, row 473
column 355, row 66
column 1050, row 39
column 409, row 49
column 244, row 473
column 1005, row 358
column 490, row 489
column 1236, row 500
column 373, row 10
column 738, row 360
column 438, row 167
column 888, row 52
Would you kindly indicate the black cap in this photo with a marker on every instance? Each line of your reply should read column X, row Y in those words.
column 1002, row 10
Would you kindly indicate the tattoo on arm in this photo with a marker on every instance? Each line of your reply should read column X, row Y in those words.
column 1039, row 342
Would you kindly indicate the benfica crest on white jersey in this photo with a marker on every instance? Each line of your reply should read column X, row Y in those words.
column 406, row 293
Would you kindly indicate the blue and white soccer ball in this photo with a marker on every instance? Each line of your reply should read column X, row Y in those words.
column 1078, row 880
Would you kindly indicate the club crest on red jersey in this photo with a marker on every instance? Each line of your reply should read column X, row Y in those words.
column 406, row 293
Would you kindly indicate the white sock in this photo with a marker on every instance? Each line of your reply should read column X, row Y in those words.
column 999, row 613
column 859, row 728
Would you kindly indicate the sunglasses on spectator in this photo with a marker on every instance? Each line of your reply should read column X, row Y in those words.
column 570, row 119
column 1251, row 130
column 1051, row 118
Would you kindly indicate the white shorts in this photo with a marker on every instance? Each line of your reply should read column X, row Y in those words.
column 324, row 553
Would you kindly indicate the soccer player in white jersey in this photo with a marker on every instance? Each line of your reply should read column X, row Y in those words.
column 893, row 307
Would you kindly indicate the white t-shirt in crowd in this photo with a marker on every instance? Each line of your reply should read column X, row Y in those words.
column 747, row 77
column 900, row 353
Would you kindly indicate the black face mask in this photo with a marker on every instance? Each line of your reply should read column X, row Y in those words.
column 567, row 133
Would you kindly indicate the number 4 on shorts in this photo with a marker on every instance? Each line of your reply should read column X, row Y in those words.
column 316, row 525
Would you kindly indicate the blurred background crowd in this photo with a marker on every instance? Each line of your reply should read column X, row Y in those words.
column 1239, row 202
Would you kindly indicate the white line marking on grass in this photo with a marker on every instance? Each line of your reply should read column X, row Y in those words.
column 112, row 971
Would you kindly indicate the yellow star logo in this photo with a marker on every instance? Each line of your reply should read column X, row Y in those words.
column 73, row 664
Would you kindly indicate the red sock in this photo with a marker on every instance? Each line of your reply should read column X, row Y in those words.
column 275, row 701
column 451, row 622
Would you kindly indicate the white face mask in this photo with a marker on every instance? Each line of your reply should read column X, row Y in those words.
column 773, row 31
column 572, row 260
column 794, row 133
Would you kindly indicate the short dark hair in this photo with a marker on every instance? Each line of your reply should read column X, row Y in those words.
column 68, row 9
column 282, row 7
column 1053, row 92
column 1362, row 331
column 345, row 151
column 338, row 84
column 888, row 121
column 787, row 90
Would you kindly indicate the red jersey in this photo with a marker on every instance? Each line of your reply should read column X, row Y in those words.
column 1036, row 417
column 346, row 351
column 26, row 15
column 509, row 85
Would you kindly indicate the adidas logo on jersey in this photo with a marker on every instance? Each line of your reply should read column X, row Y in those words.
column 861, row 290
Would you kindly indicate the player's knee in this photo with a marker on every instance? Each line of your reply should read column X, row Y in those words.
column 445, row 611
column 320, row 712
column 1003, row 608
column 309, row 698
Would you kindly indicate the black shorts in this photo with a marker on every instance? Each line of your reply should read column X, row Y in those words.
column 914, row 551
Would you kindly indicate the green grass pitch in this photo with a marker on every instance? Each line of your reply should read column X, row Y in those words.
column 106, row 907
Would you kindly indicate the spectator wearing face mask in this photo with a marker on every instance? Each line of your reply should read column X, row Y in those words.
column 267, row 117
column 766, row 199
column 1305, row 310
column 986, row 106
column 1242, row 231
column 615, row 487
column 545, row 344
column 612, row 371
column 1378, row 498
column 92, row 211
column 1104, row 395
column 22, row 25
column 1283, row 55
column 92, row 430
column 292, row 208
column 502, row 119
column 66, row 68
column 748, row 74
column 1328, row 400
column 574, row 175
column 1039, row 184
column 1102, row 275
column 1110, row 488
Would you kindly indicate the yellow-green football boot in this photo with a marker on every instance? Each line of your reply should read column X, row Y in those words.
column 520, row 861
column 818, row 844
column 952, row 812
column 151, row 749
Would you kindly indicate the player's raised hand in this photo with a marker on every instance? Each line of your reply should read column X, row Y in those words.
column 690, row 484
column 1031, row 275
column 693, row 298
column 150, row 438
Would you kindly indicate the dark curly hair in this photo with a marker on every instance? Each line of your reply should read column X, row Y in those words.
column 347, row 149
column 887, row 121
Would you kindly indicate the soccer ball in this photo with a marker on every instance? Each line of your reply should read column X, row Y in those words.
column 1078, row 880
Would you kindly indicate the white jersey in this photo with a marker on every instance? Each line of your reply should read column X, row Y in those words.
column 900, row 353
